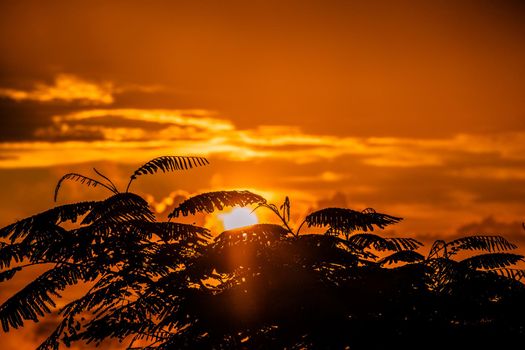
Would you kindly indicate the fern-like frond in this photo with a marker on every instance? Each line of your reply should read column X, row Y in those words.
column 118, row 208
column 346, row 220
column 35, row 299
column 515, row 274
column 486, row 243
column 262, row 233
column 57, row 215
column 13, row 252
column 168, row 164
column 437, row 247
column 491, row 260
column 8, row 274
column 82, row 179
column 167, row 231
column 362, row 241
column 401, row 243
column 407, row 256
column 443, row 272
column 368, row 240
column 208, row 202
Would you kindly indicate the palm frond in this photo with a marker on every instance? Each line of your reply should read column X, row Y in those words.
column 8, row 274
column 366, row 240
column 167, row 164
column 57, row 215
column 444, row 272
column 118, row 208
column 167, row 231
column 35, row 299
column 362, row 241
column 438, row 246
column 13, row 252
column 515, row 274
column 486, row 243
column 408, row 256
column 401, row 243
column 83, row 180
column 208, row 202
column 347, row 220
column 263, row 233
column 491, row 260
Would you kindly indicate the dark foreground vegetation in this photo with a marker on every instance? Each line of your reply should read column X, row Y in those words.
column 170, row 285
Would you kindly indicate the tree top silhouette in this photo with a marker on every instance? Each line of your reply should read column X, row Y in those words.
column 166, row 284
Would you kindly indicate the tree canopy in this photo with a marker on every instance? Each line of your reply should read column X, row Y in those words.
column 170, row 285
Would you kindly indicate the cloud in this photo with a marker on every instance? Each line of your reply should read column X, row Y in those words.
column 71, row 88
column 133, row 125
column 66, row 87
column 123, row 134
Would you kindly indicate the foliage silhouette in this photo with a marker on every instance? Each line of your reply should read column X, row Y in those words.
column 170, row 285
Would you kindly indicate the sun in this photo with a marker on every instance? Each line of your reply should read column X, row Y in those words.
column 238, row 217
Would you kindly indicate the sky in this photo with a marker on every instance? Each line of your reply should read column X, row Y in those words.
column 414, row 108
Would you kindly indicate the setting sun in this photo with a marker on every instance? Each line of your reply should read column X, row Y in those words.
column 238, row 217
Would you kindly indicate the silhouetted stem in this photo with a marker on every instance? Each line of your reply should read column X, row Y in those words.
column 129, row 184
column 300, row 226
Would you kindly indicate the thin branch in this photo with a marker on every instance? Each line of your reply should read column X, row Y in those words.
column 108, row 179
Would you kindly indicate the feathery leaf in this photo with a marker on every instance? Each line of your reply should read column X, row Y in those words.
column 57, row 215
column 264, row 233
column 408, row 256
column 491, row 260
column 365, row 240
column 347, row 220
column 487, row 243
column 35, row 299
column 118, row 208
column 208, row 202
column 170, row 163
column 8, row 274
column 515, row 274
column 167, row 164
column 82, row 179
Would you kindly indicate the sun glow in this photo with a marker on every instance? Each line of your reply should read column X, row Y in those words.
column 238, row 217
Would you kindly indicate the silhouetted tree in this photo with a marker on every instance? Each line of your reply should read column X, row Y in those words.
column 169, row 285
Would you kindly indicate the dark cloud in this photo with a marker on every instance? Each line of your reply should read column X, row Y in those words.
column 338, row 200
column 21, row 119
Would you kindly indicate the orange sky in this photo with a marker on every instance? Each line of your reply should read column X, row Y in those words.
column 414, row 108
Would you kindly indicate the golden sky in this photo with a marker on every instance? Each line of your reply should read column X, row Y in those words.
column 415, row 108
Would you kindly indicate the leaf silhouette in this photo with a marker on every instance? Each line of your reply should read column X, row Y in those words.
column 515, row 274
column 491, row 260
column 486, row 243
column 118, row 208
column 208, row 202
column 347, row 220
column 57, row 215
column 167, row 164
column 83, row 180
column 167, row 231
column 8, row 274
column 263, row 233
column 408, row 256
column 34, row 300
column 365, row 240
column 12, row 252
